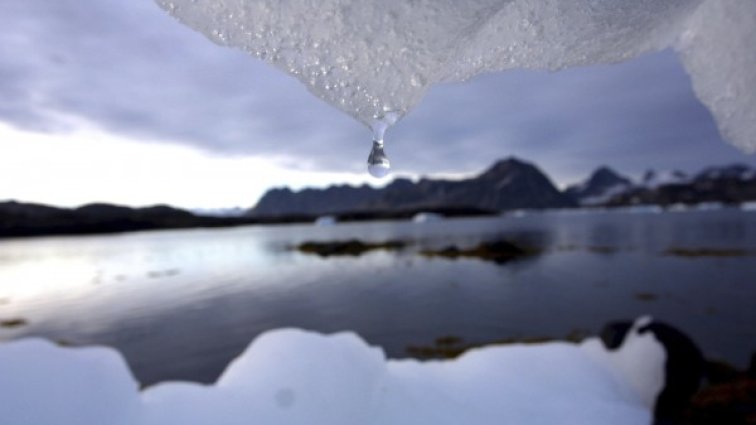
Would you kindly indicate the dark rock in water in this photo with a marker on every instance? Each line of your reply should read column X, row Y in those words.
column 352, row 247
column 450, row 346
column 499, row 251
column 446, row 347
column 12, row 323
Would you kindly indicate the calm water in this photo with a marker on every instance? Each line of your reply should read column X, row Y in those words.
column 181, row 304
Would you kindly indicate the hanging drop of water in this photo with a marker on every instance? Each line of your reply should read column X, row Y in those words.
column 378, row 162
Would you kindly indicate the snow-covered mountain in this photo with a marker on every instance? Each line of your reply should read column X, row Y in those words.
column 599, row 188
column 653, row 179
column 727, row 184
column 734, row 171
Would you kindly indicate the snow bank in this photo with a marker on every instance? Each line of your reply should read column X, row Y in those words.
column 294, row 377
column 41, row 383
column 376, row 59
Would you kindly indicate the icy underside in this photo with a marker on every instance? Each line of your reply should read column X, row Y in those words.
column 369, row 58
column 296, row 377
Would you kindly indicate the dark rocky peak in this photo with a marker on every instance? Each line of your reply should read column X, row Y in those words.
column 606, row 177
column 505, row 168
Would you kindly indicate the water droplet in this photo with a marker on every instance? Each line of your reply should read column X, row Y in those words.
column 378, row 162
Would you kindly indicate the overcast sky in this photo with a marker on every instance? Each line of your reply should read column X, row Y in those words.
column 113, row 100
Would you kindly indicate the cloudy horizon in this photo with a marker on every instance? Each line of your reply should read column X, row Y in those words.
column 117, row 102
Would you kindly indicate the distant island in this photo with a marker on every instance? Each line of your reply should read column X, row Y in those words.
column 508, row 185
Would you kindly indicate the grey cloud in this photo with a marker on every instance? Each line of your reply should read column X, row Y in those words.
column 127, row 66
column 130, row 68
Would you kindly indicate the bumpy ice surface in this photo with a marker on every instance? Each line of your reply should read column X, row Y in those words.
column 375, row 59
column 296, row 377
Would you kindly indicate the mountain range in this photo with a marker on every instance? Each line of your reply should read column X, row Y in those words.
column 730, row 184
column 27, row 219
column 513, row 184
column 509, row 184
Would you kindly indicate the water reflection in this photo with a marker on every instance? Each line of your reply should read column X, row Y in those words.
column 181, row 304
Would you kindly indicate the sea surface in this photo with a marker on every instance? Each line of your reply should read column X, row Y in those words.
column 181, row 304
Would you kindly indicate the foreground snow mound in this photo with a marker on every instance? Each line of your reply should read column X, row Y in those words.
column 376, row 59
column 294, row 377
column 41, row 383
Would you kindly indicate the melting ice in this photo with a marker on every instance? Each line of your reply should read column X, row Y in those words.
column 366, row 57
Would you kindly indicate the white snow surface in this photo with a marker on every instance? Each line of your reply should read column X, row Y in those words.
column 369, row 57
column 655, row 179
column 292, row 376
column 606, row 195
